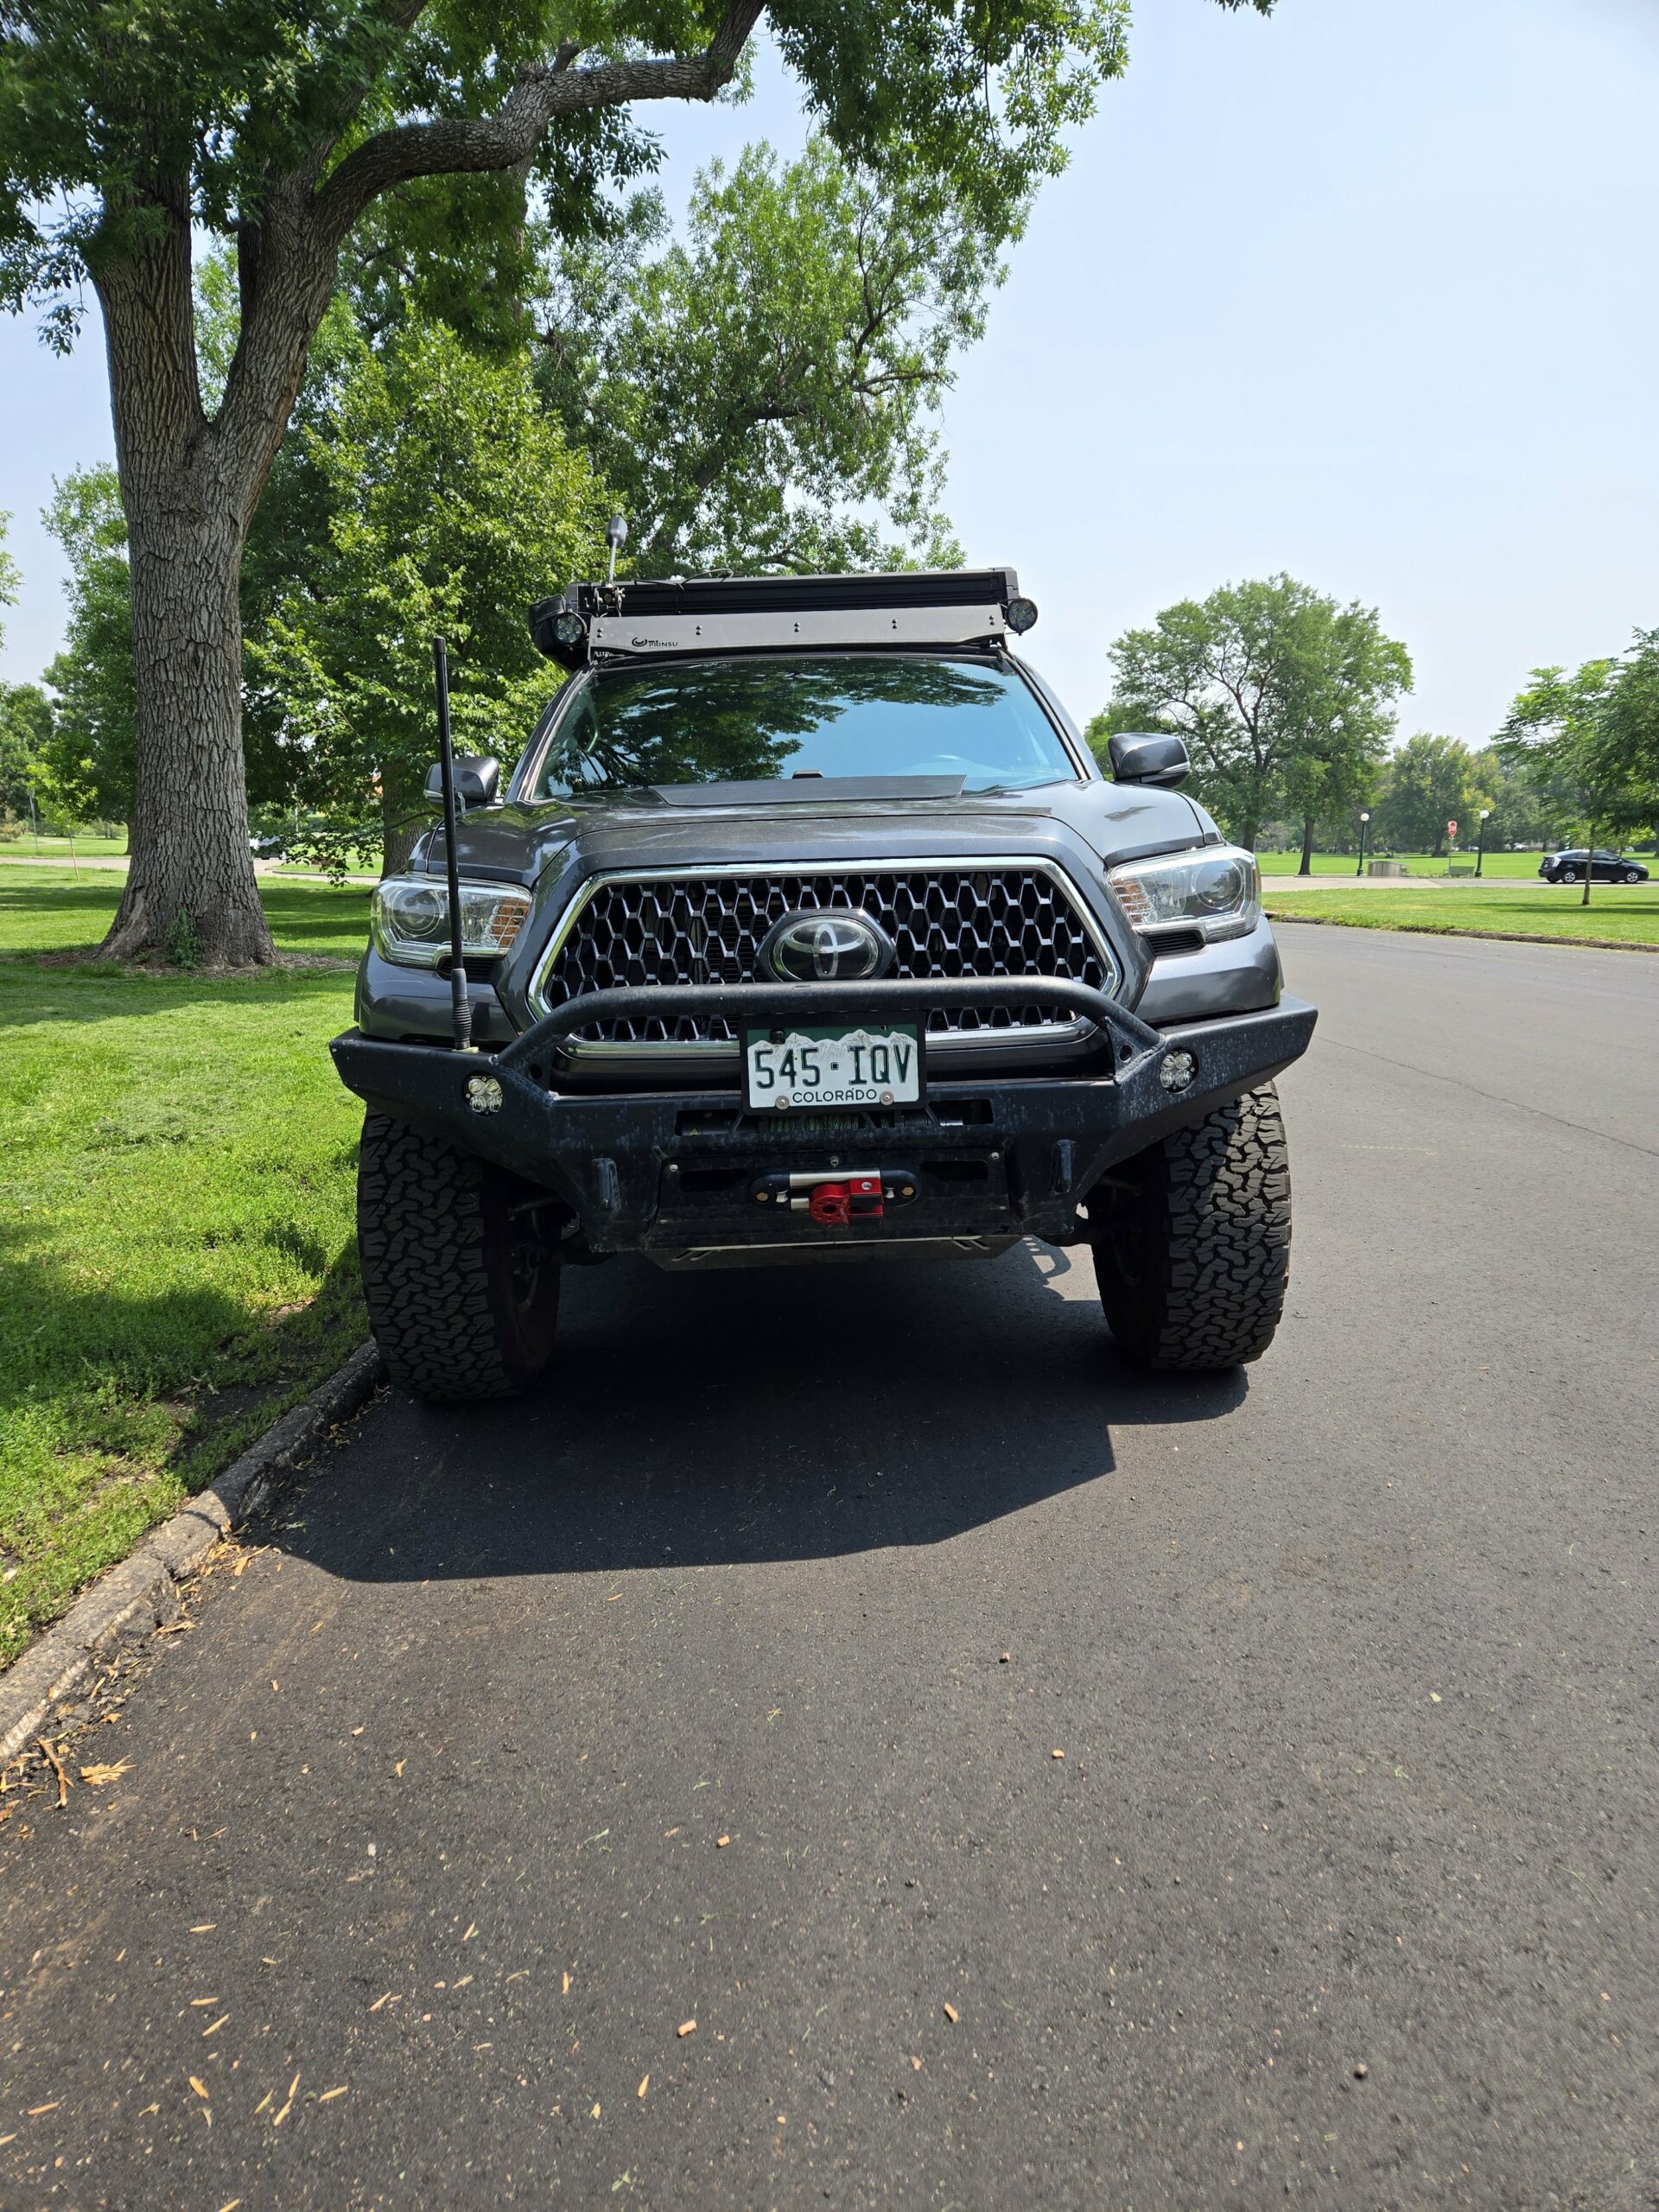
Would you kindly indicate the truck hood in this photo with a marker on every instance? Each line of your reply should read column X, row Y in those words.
column 518, row 843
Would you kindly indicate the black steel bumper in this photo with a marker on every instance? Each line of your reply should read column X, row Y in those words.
column 675, row 1170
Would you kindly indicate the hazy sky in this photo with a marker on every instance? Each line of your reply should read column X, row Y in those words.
column 1366, row 291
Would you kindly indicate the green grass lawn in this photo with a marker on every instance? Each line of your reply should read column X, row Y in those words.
column 1631, row 916
column 1501, row 868
column 175, row 1203
column 45, row 848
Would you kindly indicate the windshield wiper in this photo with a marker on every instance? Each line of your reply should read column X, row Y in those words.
column 809, row 790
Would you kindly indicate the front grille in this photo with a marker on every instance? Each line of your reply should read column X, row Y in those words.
column 1000, row 919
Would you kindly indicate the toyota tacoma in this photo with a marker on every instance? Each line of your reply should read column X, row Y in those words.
column 808, row 927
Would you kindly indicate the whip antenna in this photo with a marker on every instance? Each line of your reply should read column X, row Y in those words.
column 463, row 1011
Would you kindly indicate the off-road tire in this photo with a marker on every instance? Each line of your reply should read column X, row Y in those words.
column 458, row 1308
column 1192, row 1240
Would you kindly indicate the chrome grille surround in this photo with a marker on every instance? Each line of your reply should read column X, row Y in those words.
column 999, row 915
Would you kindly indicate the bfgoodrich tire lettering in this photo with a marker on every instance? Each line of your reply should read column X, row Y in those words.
column 1192, row 1240
column 462, row 1302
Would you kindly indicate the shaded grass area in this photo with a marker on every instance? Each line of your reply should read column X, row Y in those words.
column 1615, row 913
column 45, row 910
column 176, row 1262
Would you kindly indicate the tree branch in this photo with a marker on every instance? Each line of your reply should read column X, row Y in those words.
column 467, row 145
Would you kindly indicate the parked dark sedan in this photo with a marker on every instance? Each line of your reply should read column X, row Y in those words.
column 1608, row 868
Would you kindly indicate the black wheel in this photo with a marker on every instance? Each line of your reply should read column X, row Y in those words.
column 1567, row 875
column 462, row 1292
column 1192, row 1240
column 1633, row 875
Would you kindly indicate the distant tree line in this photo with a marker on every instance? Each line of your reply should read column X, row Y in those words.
column 1287, row 702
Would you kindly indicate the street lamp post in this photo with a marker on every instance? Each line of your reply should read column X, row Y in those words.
column 1365, row 821
column 1480, row 847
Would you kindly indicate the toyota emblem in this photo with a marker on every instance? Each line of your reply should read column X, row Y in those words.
column 827, row 946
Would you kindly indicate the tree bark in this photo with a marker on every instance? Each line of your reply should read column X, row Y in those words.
column 1306, row 867
column 401, row 822
column 190, row 892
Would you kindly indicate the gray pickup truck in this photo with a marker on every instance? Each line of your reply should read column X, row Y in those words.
column 808, row 927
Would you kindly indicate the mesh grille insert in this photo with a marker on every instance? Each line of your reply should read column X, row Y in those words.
column 942, row 921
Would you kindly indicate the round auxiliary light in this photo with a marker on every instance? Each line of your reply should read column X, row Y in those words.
column 484, row 1094
column 1020, row 614
column 1177, row 1070
column 569, row 628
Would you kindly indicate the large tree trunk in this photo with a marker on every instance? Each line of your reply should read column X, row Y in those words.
column 402, row 820
column 1306, row 867
column 190, row 892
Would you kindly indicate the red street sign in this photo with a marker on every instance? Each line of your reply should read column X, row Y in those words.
column 1451, row 829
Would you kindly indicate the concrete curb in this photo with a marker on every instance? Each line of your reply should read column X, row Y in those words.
column 141, row 1594
column 1436, row 929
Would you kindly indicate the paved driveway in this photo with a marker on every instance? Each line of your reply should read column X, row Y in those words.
column 1342, row 1893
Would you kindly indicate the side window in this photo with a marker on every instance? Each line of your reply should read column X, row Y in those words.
column 566, row 769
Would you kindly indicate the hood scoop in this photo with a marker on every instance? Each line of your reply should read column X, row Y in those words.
column 809, row 790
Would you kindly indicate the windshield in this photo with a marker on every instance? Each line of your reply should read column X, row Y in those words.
column 762, row 721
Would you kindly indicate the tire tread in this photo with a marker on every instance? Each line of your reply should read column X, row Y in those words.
column 1212, row 1225
column 423, row 1244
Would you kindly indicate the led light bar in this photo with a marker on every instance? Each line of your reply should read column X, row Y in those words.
column 944, row 606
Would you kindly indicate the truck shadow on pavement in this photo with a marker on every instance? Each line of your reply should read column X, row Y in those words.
column 764, row 1414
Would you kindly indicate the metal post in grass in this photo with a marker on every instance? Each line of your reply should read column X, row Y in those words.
column 1364, row 822
column 1480, row 847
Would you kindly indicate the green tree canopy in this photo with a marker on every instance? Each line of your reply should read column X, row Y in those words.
column 1286, row 698
column 25, row 711
column 1589, row 741
column 452, row 500
column 92, row 678
column 1429, row 782
column 25, row 732
column 760, row 393
column 1627, row 739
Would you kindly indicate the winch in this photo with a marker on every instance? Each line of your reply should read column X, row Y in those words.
column 833, row 1198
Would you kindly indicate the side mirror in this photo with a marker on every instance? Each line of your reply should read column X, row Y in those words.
column 478, row 779
column 1139, row 757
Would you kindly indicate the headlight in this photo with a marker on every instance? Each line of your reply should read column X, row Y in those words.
column 1215, row 889
column 408, row 919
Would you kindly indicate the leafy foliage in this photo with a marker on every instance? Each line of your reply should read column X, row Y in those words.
column 94, row 735
column 9, row 578
column 25, row 729
column 25, row 712
column 1589, row 741
column 452, row 501
column 758, row 393
column 1285, row 698
column 111, row 110
column 1429, row 782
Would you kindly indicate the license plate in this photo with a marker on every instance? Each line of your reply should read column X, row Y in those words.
column 787, row 1068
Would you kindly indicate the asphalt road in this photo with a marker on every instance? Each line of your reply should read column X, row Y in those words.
column 1343, row 1892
